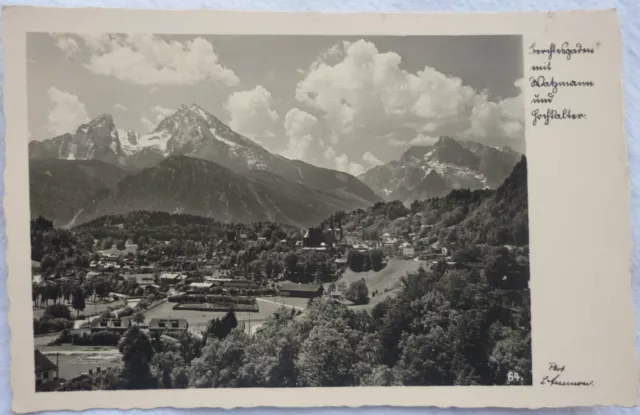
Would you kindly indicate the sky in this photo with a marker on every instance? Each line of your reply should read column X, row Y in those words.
column 347, row 103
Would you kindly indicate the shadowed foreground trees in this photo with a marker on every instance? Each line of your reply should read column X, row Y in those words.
column 137, row 353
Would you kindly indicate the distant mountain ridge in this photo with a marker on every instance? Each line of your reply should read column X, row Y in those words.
column 62, row 190
column 270, row 182
column 183, row 184
column 423, row 172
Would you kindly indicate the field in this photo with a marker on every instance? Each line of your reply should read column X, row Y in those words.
column 198, row 320
column 91, row 308
column 74, row 361
column 387, row 279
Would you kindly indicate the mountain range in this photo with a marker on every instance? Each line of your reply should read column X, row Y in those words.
column 429, row 171
column 192, row 163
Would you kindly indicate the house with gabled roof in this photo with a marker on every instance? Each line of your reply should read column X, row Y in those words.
column 45, row 370
column 291, row 289
column 168, row 325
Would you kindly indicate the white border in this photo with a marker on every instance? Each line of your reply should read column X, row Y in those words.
column 582, row 314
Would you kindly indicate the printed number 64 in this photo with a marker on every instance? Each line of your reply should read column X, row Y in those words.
column 513, row 377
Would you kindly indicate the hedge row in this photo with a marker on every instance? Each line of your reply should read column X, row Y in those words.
column 217, row 307
column 238, row 291
column 217, row 299
column 101, row 338
column 47, row 325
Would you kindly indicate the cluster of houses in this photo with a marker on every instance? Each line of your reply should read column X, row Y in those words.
column 319, row 239
column 171, row 326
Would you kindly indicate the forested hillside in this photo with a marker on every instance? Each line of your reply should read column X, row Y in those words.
column 463, row 217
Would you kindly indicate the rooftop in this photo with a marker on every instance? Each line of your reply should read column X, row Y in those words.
column 43, row 363
column 168, row 323
column 290, row 286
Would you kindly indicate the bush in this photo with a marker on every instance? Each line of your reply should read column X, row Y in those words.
column 143, row 304
column 47, row 325
column 125, row 312
column 104, row 338
column 101, row 338
column 201, row 298
column 358, row 292
column 64, row 338
column 57, row 311
column 138, row 318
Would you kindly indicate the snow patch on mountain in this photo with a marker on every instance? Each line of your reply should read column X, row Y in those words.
column 234, row 146
column 155, row 141
column 458, row 164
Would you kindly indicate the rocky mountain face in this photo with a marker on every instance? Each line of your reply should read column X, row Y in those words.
column 95, row 140
column 271, row 184
column 433, row 171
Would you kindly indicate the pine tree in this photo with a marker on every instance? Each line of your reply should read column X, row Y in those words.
column 77, row 301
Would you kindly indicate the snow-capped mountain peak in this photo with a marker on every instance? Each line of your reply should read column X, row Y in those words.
column 129, row 141
column 98, row 139
column 434, row 170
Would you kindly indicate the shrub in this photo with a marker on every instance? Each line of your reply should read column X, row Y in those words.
column 104, row 338
column 358, row 292
column 101, row 338
column 143, row 304
column 125, row 312
column 50, row 325
column 64, row 337
column 58, row 311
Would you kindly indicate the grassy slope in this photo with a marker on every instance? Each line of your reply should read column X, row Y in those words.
column 389, row 278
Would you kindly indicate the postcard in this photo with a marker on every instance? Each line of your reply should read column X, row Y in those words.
column 244, row 209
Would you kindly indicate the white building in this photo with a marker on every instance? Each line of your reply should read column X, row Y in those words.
column 407, row 250
column 201, row 286
column 172, row 277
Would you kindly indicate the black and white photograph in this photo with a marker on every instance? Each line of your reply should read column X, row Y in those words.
column 277, row 211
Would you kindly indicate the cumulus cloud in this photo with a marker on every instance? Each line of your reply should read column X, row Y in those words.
column 301, row 129
column 146, row 59
column 151, row 119
column 162, row 112
column 252, row 115
column 120, row 107
column 341, row 162
column 363, row 92
column 423, row 140
column 68, row 45
column 67, row 114
column 305, row 143
column 371, row 159
column 148, row 124
column 503, row 118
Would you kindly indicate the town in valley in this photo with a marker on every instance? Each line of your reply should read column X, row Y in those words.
column 375, row 235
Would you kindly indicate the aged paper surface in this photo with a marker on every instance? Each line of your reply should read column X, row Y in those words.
column 582, row 345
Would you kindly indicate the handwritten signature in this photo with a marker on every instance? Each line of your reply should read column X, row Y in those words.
column 555, row 377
